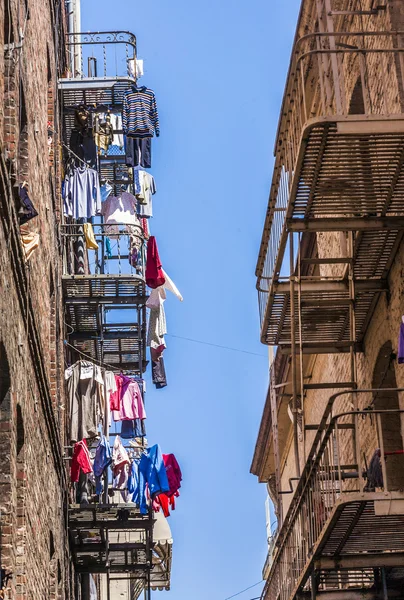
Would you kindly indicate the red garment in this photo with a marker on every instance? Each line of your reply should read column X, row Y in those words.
column 166, row 503
column 174, row 474
column 115, row 397
column 154, row 272
column 80, row 461
column 145, row 227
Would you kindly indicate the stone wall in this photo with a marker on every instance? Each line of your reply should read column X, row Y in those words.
column 33, row 477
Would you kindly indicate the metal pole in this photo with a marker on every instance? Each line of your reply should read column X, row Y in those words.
column 352, row 322
column 384, row 583
column 293, row 357
column 313, row 586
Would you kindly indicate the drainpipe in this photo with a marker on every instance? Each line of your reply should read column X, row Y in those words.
column 74, row 26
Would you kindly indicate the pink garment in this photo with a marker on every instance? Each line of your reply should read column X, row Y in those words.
column 115, row 397
column 174, row 474
column 120, row 210
column 131, row 406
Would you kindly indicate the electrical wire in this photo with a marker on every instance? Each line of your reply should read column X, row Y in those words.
column 215, row 345
column 246, row 590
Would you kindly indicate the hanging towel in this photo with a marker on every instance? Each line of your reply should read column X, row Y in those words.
column 91, row 244
column 29, row 240
column 154, row 271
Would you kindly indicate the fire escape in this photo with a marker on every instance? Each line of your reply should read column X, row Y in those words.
column 334, row 223
column 105, row 316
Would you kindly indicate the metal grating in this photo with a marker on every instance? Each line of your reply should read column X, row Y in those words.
column 349, row 169
column 372, row 533
column 108, row 92
column 105, row 288
column 324, row 318
column 114, row 537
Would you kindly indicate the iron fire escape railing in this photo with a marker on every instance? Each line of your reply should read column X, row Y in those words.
column 333, row 523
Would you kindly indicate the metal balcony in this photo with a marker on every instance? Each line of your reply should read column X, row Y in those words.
column 112, row 538
column 102, row 68
column 341, row 538
column 336, row 171
column 105, row 295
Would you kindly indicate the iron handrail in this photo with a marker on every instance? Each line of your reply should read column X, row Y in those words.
column 295, row 115
column 322, row 481
column 96, row 37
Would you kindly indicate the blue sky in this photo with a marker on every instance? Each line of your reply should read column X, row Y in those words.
column 218, row 70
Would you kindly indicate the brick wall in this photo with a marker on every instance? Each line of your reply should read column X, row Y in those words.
column 385, row 93
column 33, row 500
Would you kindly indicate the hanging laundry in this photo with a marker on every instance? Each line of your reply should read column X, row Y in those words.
column 165, row 503
column 91, row 244
column 116, row 122
column 117, row 211
column 133, row 429
column 138, row 152
column 145, row 227
column 120, row 466
column 157, row 328
column 26, row 211
column 153, row 473
column 174, row 474
column 154, row 272
column 115, row 396
column 105, row 191
column 85, row 390
column 102, row 460
column 135, row 67
column 159, row 293
column 108, row 249
column 136, row 248
column 147, row 190
column 83, row 145
column 139, row 113
column 81, row 139
column 110, row 389
column 103, row 132
column 29, row 241
column 133, row 482
column 171, row 287
column 82, row 196
column 401, row 343
column 159, row 373
column 131, row 401
column 81, row 461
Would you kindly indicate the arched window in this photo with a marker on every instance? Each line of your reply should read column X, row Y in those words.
column 357, row 104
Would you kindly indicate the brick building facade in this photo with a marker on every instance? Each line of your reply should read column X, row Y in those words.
column 335, row 216
column 33, row 477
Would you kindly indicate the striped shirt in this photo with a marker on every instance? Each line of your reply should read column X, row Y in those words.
column 139, row 113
